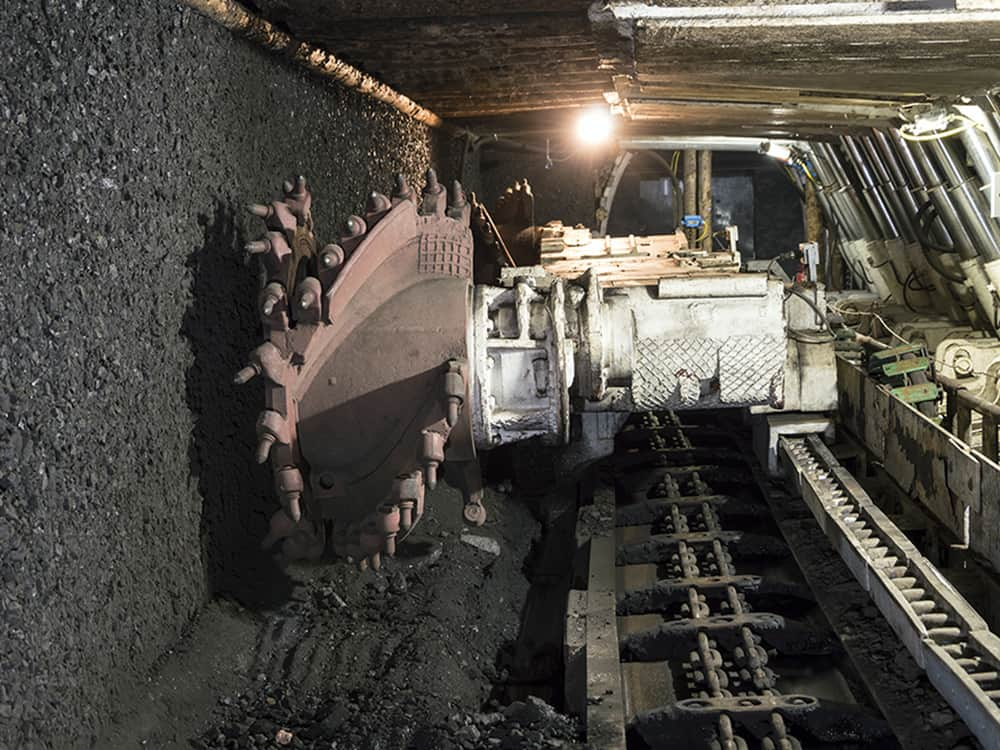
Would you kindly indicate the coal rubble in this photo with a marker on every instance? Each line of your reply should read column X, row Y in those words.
column 274, row 719
column 414, row 656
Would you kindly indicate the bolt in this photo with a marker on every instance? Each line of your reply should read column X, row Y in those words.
column 963, row 363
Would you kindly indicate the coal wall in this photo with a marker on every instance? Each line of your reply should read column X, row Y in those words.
column 132, row 135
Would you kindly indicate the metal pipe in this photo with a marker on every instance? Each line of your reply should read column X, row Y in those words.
column 876, row 203
column 842, row 193
column 968, row 200
column 691, row 191
column 949, row 229
column 908, row 158
column 972, row 262
column 918, row 186
column 826, row 193
column 235, row 17
column 888, row 155
column 705, row 197
column 981, row 153
column 971, row 400
column 887, row 187
column 836, row 162
column 992, row 125
column 861, row 168
column 961, row 239
column 698, row 143
column 912, row 198
column 833, row 207
column 853, row 202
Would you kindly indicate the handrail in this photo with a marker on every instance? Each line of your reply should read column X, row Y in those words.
column 959, row 405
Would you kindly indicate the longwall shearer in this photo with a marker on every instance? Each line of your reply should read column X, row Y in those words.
column 382, row 359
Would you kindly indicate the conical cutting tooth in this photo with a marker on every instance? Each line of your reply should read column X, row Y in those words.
column 431, row 185
column 402, row 190
column 458, row 207
column 264, row 447
column 434, row 199
column 246, row 374
column 353, row 233
column 457, row 197
column 354, row 226
column 377, row 203
column 273, row 294
column 260, row 210
column 256, row 247
column 332, row 256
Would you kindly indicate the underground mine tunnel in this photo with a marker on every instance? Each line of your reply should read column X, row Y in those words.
column 433, row 375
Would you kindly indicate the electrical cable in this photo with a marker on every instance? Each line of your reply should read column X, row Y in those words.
column 927, row 214
column 895, row 271
column 935, row 262
column 805, row 298
column 967, row 124
column 859, row 271
column 805, row 168
column 790, row 174
column 910, row 278
column 674, row 182
column 871, row 314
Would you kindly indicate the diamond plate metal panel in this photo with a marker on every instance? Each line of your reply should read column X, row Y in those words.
column 751, row 370
column 702, row 372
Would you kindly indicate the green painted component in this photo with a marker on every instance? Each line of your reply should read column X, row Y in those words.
column 896, row 352
column 915, row 394
column 905, row 366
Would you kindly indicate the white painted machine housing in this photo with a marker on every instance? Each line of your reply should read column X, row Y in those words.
column 546, row 347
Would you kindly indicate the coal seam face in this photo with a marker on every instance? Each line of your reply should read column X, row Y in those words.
column 133, row 133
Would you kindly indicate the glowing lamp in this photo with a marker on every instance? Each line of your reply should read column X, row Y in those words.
column 594, row 126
